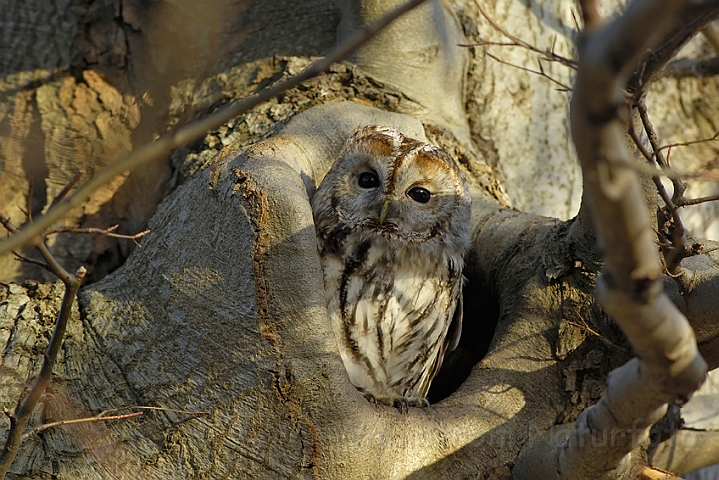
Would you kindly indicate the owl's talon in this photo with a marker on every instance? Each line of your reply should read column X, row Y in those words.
column 400, row 403
column 369, row 396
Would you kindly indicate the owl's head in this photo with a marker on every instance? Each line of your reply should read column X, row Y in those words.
column 397, row 187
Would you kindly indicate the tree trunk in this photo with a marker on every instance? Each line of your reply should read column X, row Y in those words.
column 222, row 309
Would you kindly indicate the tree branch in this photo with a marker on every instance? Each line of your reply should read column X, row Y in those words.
column 688, row 450
column 104, row 416
column 608, row 437
column 693, row 291
column 108, row 232
column 668, row 368
column 22, row 414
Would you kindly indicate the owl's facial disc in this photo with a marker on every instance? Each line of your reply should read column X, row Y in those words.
column 387, row 187
column 387, row 204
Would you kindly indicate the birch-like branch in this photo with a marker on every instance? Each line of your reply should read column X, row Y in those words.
column 608, row 437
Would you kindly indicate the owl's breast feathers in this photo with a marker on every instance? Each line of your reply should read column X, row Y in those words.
column 390, row 310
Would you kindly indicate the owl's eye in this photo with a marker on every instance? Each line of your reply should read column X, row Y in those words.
column 368, row 180
column 419, row 194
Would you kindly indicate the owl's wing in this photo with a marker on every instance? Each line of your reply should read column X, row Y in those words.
column 450, row 343
column 455, row 328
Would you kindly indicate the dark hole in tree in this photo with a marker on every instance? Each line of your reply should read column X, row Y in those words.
column 481, row 313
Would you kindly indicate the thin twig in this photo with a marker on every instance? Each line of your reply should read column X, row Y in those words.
column 175, row 139
column 58, row 198
column 684, row 202
column 21, row 258
column 638, row 142
column 679, row 248
column 649, row 170
column 654, row 142
column 598, row 335
column 708, row 250
column 60, row 423
column 22, row 414
column 541, row 73
column 713, row 138
column 549, row 54
column 574, row 19
column 108, row 232
column 9, row 226
column 104, row 416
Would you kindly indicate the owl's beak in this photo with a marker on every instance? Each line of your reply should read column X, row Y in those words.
column 385, row 209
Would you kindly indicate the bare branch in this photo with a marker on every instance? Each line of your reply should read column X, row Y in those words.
column 22, row 414
column 604, row 339
column 684, row 202
column 686, row 67
column 105, row 416
column 590, row 14
column 668, row 367
column 541, row 73
column 212, row 60
column 5, row 221
column 516, row 41
column 713, row 138
column 24, row 259
column 656, row 178
column 688, row 450
column 652, row 473
column 711, row 33
column 98, row 418
column 65, row 190
column 654, row 142
column 108, row 232
column 691, row 20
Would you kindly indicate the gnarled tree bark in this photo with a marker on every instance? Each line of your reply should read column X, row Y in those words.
column 222, row 310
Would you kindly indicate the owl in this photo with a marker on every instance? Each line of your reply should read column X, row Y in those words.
column 392, row 218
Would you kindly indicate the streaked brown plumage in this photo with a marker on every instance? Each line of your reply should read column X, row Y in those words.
column 392, row 218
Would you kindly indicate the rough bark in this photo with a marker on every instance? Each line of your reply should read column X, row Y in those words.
column 222, row 309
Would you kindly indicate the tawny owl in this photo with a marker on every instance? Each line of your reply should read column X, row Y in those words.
column 392, row 218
